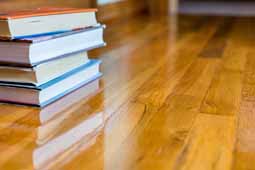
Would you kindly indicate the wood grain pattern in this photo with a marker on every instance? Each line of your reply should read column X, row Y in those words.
column 210, row 144
column 163, row 103
column 224, row 94
column 158, row 8
column 121, row 10
column 244, row 155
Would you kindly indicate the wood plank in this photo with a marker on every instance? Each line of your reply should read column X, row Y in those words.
column 153, row 100
column 215, row 47
column 158, row 137
column 245, row 150
column 155, row 85
column 224, row 94
column 244, row 161
column 169, row 75
column 110, row 104
column 248, row 92
column 210, row 144
column 120, row 10
column 147, row 111
column 197, row 78
column 182, row 110
column 114, row 133
column 237, row 46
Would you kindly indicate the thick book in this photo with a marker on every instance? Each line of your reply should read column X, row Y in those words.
column 52, row 90
column 44, row 72
column 32, row 51
column 18, row 24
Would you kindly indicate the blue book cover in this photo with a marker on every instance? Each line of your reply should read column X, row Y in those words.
column 51, row 82
column 50, row 36
column 57, row 80
column 53, row 35
column 69, row 91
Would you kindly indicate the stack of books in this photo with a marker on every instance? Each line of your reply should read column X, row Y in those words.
column 43, row 53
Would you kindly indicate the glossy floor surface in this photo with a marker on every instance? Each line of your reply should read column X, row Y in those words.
column 177, row 94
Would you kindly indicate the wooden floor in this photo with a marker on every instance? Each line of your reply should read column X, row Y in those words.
column 177, row 94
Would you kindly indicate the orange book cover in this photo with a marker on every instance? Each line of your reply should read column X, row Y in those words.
column 43, row 12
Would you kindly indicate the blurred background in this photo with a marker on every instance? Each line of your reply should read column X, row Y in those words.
column 117, row 9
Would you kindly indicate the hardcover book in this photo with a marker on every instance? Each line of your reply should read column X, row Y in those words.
column 42, row 73
column 18, row 24
column 35, row 50
column 51, row 91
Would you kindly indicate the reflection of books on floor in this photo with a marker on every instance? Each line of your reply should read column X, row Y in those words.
column 66, row 105
column 42, row 61
column 69, row 114
column 72, row 152
column 52, row 148
column 61, row 122
column 66, row 143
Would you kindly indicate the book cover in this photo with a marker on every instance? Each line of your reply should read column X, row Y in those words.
column 50, row 36
column 42, row 12
column 56, row 80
